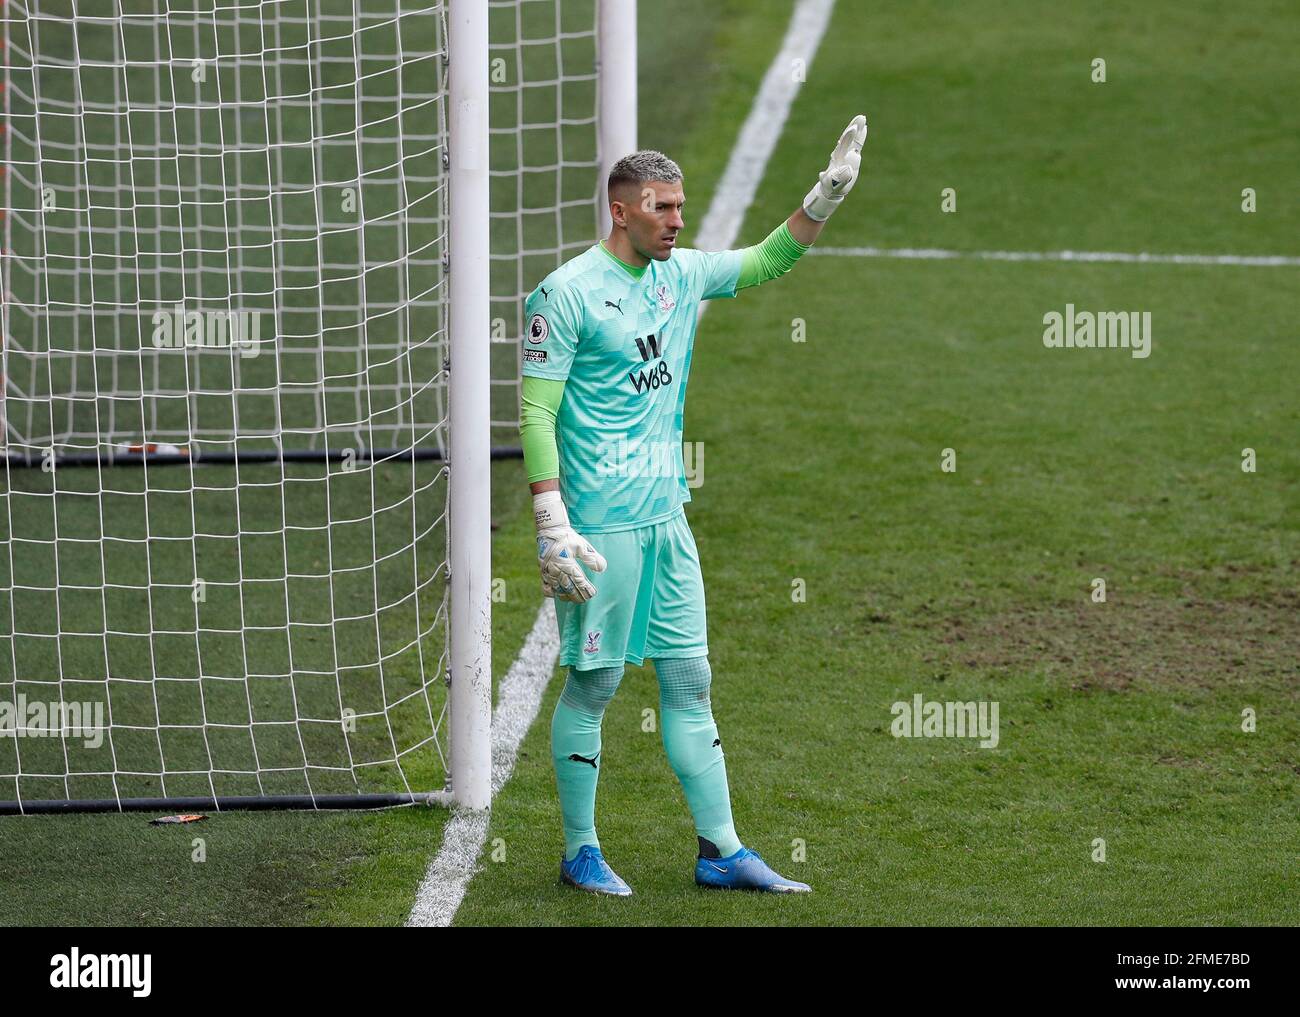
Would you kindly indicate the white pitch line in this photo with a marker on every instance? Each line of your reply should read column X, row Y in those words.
column 1127, row 257
column 449, row 873
column 762, row 128
column 447, row 878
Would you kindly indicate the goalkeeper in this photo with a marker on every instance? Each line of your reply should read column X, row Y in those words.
column 606, row 356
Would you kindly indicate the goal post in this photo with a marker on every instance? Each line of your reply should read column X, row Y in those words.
column 471, row 507
column 616, row 69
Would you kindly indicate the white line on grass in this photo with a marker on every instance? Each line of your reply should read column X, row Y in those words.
column 449, row 873
column 520, row 697
column 762, row 128
column 1141, row 257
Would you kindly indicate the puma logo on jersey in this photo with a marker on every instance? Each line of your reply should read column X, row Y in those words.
column 546, row 294
column 610, row 303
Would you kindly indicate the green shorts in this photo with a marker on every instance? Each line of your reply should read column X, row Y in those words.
column 649, row 601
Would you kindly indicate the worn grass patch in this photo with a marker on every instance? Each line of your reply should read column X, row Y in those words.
column 1189, row 639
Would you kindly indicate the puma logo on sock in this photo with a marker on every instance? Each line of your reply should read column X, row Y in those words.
column 583, row 759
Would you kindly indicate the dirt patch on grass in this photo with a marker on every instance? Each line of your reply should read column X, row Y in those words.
column 1179, row 641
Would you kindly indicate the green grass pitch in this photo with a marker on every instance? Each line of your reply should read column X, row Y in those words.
column 1120, row 721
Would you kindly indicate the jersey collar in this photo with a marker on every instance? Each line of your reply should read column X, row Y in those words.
column 632, row 270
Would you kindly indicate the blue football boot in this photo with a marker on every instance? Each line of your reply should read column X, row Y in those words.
column 589, row 871
column 744, row 871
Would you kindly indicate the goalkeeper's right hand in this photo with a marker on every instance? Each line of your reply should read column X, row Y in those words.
column 560, row 549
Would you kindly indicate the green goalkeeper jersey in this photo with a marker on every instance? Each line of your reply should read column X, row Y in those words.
column 621, row 340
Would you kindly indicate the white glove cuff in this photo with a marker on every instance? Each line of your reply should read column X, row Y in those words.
column 819, row 207
column 549, row 511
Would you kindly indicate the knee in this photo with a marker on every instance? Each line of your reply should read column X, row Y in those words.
column 684, row 682
column 591, row 691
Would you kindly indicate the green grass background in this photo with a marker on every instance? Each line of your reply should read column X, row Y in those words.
column 822, row 464
column 821, row 461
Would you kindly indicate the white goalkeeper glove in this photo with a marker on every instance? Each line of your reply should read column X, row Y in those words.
column 560, row 549
column 840, row 175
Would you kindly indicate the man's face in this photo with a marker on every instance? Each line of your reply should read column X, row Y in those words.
column 653, row 217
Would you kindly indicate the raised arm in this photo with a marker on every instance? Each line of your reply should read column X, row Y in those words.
column 784, row 245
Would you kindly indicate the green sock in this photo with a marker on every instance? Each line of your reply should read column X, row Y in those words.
column 575, row 750
column 694, row 749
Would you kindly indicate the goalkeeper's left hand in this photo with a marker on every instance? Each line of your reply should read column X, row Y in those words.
column 838, row 178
